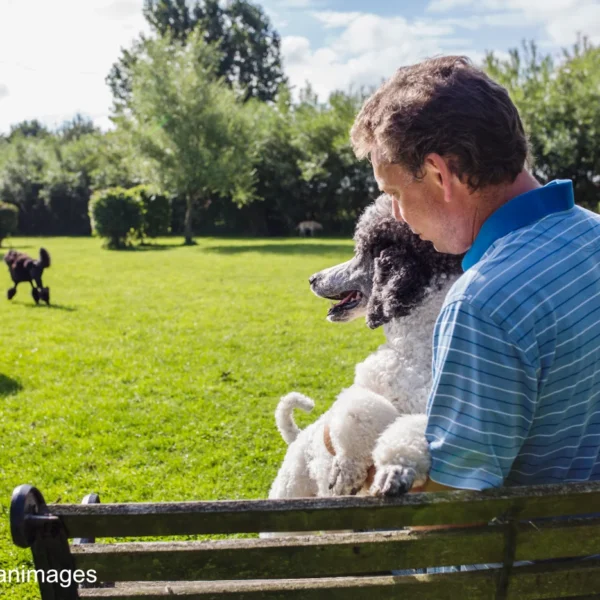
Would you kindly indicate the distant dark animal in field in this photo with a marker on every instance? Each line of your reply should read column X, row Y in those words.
column 24, row 268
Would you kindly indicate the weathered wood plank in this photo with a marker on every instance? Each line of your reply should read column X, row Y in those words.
column 293, row 558
column 539, row 582
column 310, row 514
column 333, row 555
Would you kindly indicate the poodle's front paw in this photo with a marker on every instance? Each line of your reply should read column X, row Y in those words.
column 393, row 480
column 401, row 457
column 11, row 293
column 346, row 477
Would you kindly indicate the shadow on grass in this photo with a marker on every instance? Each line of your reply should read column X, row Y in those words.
column 18, row 247
column 9, row 386
column 145, row 248
column 50, row 307
column 320, row 249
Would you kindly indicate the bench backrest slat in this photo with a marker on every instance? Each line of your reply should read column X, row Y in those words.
column 187, row 518
column 335, row 555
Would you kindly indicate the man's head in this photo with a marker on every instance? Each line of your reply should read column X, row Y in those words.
column 442, row 136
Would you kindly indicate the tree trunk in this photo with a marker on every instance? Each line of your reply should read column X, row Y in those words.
column 189, row 213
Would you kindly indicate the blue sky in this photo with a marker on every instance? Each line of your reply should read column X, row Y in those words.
column 54, row 56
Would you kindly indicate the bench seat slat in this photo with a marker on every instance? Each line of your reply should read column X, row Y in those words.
column 315, row 514
column 538, row 582
column 333, row 555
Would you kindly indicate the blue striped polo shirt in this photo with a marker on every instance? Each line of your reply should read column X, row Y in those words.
column 516, row 350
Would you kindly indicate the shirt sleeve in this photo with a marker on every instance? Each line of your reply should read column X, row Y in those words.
column 482, row 401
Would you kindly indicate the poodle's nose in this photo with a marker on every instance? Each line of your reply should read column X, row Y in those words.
column 312, row 279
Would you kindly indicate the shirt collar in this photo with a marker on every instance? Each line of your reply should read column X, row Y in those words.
column 522, row 210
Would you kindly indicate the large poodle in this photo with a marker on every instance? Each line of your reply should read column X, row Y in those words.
column 397, row 281
column 23, row 268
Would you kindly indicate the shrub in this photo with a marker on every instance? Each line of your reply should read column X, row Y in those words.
column 9, row 219
column 156, row 211
column 115, row 215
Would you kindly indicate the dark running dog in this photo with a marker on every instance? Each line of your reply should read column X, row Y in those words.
column 24, row 268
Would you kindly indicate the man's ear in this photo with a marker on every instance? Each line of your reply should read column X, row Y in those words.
column 438, row 170
column 394, row 286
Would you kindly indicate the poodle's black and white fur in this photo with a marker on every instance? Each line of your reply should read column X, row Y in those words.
column 397, row 281
column 23, row 269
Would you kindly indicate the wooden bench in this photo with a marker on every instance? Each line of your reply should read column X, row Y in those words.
column 330, row 566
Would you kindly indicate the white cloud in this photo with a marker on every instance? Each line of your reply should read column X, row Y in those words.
column 368, row 48
column 120, row 9
column 563, row 26
column 295, row 49
column 447, row 5
column 3, row 91
column 334, row 20
column 372, row 32
column 276, row 19
column 63, row 58
column 562, row 20
column 296, row 3
column 476, row 21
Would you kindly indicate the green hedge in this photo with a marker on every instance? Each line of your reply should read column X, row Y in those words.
column 116, row 215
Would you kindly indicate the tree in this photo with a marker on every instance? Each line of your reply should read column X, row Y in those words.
column 115, row 160
column 28, row 129
column 22, row 181
column 76, row 128
column 560, row 108
column 67, row 182
column 250, row 55
column 193, row 134
column 279, row 182
column 9, row 219
column 338, row 186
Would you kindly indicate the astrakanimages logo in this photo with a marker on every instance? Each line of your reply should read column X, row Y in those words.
column 65, row 577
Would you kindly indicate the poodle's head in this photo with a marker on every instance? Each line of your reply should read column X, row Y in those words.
column 10, row 257
column 391, row 273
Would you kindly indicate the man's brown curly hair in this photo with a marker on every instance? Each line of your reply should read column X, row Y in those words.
column 449, row 107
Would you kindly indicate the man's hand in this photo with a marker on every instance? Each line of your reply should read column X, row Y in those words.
column 433, row 486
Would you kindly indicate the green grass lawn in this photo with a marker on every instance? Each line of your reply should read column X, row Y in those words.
column 155, row 374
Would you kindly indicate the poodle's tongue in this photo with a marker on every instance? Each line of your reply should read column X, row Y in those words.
column 347, row 299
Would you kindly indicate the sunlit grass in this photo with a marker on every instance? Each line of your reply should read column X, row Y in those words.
column 155, row 374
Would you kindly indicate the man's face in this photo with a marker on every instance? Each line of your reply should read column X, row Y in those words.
column 420, row 203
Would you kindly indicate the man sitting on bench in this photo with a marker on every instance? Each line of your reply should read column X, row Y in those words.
column 516, row 370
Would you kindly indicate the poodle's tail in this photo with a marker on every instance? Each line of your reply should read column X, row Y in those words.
column 284, row 415
column 44, row 258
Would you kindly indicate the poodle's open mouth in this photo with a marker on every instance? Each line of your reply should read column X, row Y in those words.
column 347, row 301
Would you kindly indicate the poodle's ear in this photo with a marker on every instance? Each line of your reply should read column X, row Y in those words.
column 397, row 283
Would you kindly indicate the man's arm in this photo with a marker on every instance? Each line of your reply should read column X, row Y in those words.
column 482, row 401
column 479, row 411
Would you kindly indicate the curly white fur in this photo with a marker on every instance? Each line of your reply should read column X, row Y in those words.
column 378, row 420
column 391, row 382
